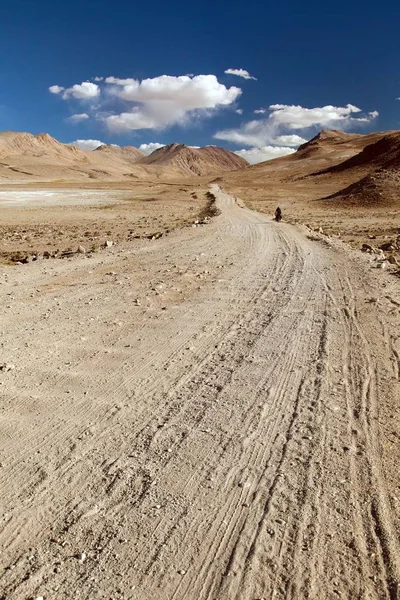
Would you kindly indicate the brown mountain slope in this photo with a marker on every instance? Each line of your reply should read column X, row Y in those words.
column 379, row 189
column 325, row 167
column 383, row 153
column 127, row 152
column 376, row 170
column 325, row 150
column 13, row 143
column 25, row 157
column 195, row 161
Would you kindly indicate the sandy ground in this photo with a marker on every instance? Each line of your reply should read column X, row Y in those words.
column 211, row 415
column 55, row 219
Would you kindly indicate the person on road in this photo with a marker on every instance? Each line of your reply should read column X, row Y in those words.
column 278, row 214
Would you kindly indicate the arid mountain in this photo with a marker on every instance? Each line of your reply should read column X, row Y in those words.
column 383, row 153
column 127, row 152
column 381, row 188
column 25, row 157
column 13, row 143
column 195, row 161
column 379, row 167
column 338, row 166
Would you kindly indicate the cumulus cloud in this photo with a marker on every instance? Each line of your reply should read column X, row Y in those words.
column 87, row 144
column 256, row 155
column 260, row 111
column 289, row 140
column 163, row 101
column 78, row 118
column 239, row 111
column 82, row 91
column 284, row 119
column 298, row 117
column 128, row 104
column 150, row 147
column 240, row 73
column 56, row 89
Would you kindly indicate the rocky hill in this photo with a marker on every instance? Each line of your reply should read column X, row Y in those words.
column 195, row 161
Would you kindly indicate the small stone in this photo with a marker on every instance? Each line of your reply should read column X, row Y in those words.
column 387, row 247
column 367, row 248
column 182, row 572
column 81, row 250
column 108, row 244
column 81, row 557
column 7, row 367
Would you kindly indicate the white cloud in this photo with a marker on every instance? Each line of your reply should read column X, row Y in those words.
column 87, row 144
column 289, row 140
column 240, row 73
column 56, row 89
column 252, row 133
column 298, row 117
column 239, row 111
column 130, row 104
column 284, row 119
column 150, row 147
column 164, row 101
column 78, row 118
column 118, row 81
column 260, row 111
column 256, row 155
column 82, row 91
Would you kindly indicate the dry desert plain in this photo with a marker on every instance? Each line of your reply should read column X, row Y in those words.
column 200, row 410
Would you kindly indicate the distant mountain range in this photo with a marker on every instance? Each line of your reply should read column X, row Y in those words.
column 25, row 157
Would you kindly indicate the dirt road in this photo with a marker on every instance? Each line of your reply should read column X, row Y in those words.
column 212, row 415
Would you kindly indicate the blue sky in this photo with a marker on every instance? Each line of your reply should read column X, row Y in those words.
column 164, row 67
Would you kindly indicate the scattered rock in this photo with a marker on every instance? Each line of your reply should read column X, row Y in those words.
column 81, row 250
column 7, row 367
column 367, row 248
column 387, row 247
column 108, row 244
column 393, row 260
